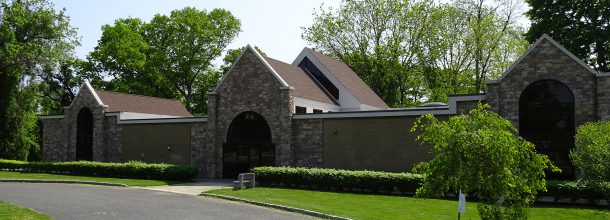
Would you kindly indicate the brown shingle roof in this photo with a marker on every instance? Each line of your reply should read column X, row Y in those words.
column 304, row 86
column 350, row 80
column 122, row 102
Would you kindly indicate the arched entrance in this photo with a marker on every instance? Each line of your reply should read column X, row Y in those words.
column 248, row 145
column 546, row 118
column 84, row 135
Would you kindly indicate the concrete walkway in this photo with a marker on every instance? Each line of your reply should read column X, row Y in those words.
column 193, row 188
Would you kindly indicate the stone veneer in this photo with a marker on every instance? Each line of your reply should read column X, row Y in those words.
column 546, row 61
column 249, row 86
column 59, row 134
column 308, row 142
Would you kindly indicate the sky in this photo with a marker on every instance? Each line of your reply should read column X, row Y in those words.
column 272, row 25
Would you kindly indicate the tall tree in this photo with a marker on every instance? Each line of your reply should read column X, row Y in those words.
column 32, row 33
column 581, row 26
column 168, row 57
column 58, row 84
column 379, row 40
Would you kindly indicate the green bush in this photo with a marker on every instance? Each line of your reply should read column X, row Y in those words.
column 332, row 179
column 573, row 190
column 592, row 152
column 131, row 169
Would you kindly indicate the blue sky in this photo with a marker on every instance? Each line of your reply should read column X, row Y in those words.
column 272, row 25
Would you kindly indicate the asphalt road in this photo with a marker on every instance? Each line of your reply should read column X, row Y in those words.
column 74, row 201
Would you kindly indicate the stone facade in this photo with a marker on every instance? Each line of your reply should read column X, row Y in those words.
column 545, row 61
column 308, row 142
column 54, row 136
column 250, row 86
column 200, row 153
column 603, row 98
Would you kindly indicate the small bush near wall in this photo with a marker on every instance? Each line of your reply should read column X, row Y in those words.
column 331, row 179
column 132, row 169
column 592, row 152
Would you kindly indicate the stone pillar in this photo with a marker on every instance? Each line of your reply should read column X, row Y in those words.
column 284, row 150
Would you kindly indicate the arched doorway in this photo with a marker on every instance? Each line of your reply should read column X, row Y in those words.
column 546, row 118
column 84, row 135
column 248, row 145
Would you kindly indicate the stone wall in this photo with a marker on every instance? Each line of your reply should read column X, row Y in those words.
column 112, row 137
column 201, row 155
column 249, row 86
column 54, row 136
column 308, row 142
column 603, row 97
column 546, row 61
column 464, row 107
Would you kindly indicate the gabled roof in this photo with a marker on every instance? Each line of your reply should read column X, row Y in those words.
column 350, row 80
column 122, row 102
column 304, row 86
column 554, row 43
column 260, row 58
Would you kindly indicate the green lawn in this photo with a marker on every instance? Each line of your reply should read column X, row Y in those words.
column 48, row 176
column 10, row 211
column 364, row 206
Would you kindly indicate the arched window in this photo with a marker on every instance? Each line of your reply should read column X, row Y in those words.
column 248, row 145
column 546, row 118
column 84, row 135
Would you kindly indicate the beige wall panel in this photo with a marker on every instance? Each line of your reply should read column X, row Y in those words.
column 149, row 143
column 381, row 144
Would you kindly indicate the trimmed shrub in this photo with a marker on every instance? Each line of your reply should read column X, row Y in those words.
column 574, row 190
column 131, row 169
column 406, row 183
column 331, row 179
column 592, row 152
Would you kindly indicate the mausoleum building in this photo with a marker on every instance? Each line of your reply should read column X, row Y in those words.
column 316, row 112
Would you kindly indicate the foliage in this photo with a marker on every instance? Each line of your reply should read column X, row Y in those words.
column 581, row 26
column 59, row 83
column 169, row 57
column 574, row 190
column 131, row 169
column 480, row 153
column 32, row 34
column 338, row 179
column 592, row 152
column 409, row 52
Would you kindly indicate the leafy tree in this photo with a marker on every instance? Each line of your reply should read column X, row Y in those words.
column 168, row 57
column 59, row 83
column 414, row 51
column 480, row 153
column 32, row 34
column 379, row 40
column 581, row 26
column 232, row 55
column 592, row 152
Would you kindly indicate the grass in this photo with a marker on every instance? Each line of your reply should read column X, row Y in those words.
column 10, row 211
column 49, row 176
column 366, row 206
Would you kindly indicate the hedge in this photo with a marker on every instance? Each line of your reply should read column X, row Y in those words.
column 331, row 179
column 131, row 169
column 406, row 183
column 574, row 190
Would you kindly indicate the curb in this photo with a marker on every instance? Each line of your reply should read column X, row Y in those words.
column 61, row 181
column 280, row 207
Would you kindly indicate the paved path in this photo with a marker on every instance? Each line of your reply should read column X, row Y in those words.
column 194, row 188
column 75, row 201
